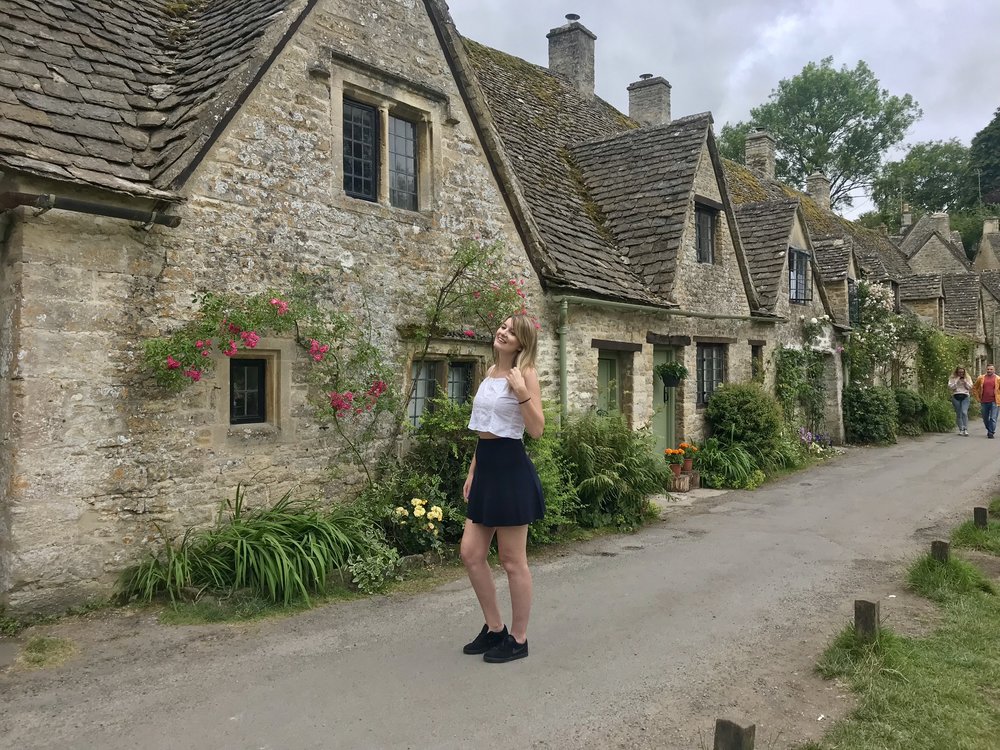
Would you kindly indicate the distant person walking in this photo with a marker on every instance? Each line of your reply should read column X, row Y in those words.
column 985, row 391
column 960, row 385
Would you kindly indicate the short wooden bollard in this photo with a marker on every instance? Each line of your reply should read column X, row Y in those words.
column 866, row 617
column 730, row 736
column 979, row 516
column 941, row 551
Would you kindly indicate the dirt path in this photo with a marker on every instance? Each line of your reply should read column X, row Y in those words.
column 637, row 641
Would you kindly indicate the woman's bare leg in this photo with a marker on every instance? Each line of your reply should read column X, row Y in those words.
column 474, row 549
column 513, row 544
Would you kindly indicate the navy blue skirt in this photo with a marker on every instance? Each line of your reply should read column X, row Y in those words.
column 505, row 488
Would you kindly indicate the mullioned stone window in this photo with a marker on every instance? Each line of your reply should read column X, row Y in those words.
column 711, row 367
column 799, row 281
column 431, row 378
column 705, row 219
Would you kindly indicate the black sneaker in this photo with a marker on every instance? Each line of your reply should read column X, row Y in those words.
column 508, row 650
column 485, row 641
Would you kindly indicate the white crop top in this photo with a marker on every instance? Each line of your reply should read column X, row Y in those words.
column 495, row 409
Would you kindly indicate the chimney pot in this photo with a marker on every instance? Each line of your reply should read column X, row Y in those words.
column 649, row 100
column 759, row 152
column 991, row 225
column 571, row 54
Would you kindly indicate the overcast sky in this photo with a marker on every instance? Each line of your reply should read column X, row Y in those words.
column 725, row 56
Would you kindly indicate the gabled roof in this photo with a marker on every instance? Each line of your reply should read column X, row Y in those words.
column 641, row 182
column 122, row 94
column 878, row 257
column 926, row 228
column 765, row 228
column 601, row 203
column 833, row 255
column 991, row 283
column 961, row 297
column 921, row 286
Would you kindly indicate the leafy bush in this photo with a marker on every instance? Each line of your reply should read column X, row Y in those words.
column 745, row 414
column 372, row 569
column 911, row 410
column 870, row 414
column 281, row 553
column 729, row 466
column 939, row 415
column 613, row 469
column 561, row 501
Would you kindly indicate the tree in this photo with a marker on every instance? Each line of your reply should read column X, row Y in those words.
column 838, row 122
column 984, row 157
column 933, row 176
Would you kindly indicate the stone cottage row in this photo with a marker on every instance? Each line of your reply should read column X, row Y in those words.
column 148, row 158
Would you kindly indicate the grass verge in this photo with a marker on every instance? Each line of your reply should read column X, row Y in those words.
column 971, row 536
column 942, row 691
column 45, row 651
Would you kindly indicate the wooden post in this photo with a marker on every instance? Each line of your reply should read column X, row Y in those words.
column 979, row 516
column 866, row 617
column 730, row 736
column 940, row 551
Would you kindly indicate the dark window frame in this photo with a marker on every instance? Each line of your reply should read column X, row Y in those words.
column 354, row 179
column 711, row 366
column 402, row 152
column 440, row 376
column 756, row 361
column 853, row 303
column 704, row 237
column 240, row 366
column 799, row 278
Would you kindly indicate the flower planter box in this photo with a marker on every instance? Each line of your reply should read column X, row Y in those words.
column 680, row 483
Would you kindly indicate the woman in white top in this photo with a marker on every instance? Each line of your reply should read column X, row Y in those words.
column 960, row 385
column 502, row 489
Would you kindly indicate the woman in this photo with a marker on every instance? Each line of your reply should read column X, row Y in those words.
column 960, row 385
column 502, row 489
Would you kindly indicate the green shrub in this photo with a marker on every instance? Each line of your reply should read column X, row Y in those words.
column 939, row 415
column 723, row 466
column 911, row 411
column 745, row 414
column 281, row 553
column 870, row 414
column 613, row 469
column 561, row 501
column 372, row 569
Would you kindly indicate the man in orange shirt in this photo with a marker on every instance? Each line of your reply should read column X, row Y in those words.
column 985, row 390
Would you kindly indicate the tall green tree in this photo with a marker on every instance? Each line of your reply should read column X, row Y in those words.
column 984, row 157
column 933, row 176
column 839, row 122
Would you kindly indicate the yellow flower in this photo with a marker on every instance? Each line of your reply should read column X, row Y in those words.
column 401, row 511
column 435, row 513
column 416, row 501
column 430, row 527
column 419, row 511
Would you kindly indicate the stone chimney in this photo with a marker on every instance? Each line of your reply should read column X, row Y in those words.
column 907, row 217
column 991, row 225
column 818, row 187
column 942, row 223
column 649, row 100
column 571, row 53
column 758, row 153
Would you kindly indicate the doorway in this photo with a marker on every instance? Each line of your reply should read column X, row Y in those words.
column 664, row 421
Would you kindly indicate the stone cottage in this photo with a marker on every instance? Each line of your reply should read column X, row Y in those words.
column 146, row 159
column 930, row 246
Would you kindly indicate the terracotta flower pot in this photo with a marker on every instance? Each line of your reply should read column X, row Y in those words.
column 676, row 468
column 687, row 465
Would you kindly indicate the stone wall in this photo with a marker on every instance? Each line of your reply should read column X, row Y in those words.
column 928, row 310
column 105, row 454
column 935, row 257
column 10, row 415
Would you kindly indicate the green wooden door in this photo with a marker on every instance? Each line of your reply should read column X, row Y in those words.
column 664, row 404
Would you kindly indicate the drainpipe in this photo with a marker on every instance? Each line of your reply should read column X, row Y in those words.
column 563, row 386
column 45, row 202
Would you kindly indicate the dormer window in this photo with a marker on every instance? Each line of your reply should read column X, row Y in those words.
column 705, row 218
column 799, row 281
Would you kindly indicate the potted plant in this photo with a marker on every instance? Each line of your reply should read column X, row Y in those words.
column 674, row 457
column 671, row 373
column 689, row 450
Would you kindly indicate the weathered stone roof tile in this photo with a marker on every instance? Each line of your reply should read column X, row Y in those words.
column 921, row 286
column 96, row 69
column 961, row 302
column 991, row 283
column 765, row 229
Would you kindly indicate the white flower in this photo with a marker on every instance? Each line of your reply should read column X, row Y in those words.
column 802, row 317
column 826, row 317
column 813, row 321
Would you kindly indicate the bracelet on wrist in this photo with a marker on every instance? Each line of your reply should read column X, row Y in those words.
column 525, row 401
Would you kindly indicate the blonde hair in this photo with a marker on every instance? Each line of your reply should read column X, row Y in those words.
column 524, row 329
